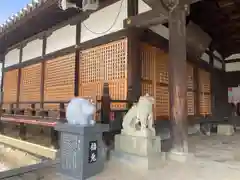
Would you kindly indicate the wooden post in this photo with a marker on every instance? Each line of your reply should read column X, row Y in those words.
column 2, row 58
column 54, row 133
column 23, row 129
column 105, row 105
column 196, row 90
column 11, row 110
column 33, row 110
column 178, row 78
column 134, row 63
column 19, row 76
column 54, row 138
column 77, row 59
column 62, row 112
column 212, row 84
column 44, row 45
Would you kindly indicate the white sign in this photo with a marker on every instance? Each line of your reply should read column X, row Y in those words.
column 234, row 95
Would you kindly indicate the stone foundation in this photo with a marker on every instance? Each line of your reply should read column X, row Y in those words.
column 143, row 152
column 225, row 129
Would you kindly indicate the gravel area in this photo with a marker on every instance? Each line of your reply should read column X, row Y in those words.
column 215, row 157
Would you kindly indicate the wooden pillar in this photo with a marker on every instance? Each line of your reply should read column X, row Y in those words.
column 77, row 59
column 19, row 76
column 134, row 63
column 178, row 79
column 212, row 82
column 44, row 45
column 2, row 59
column 196, row 90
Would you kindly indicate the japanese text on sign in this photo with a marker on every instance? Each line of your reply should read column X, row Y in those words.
column 92, row 158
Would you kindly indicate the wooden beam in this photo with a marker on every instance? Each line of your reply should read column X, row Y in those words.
column 178, row 79
column 146, row 19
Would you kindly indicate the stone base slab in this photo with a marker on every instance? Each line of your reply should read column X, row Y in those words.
column 136, row 145
column 225, row 129
column 180, row 157
column 140, row 162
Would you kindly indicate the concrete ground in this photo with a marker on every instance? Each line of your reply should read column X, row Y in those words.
column 215, row 157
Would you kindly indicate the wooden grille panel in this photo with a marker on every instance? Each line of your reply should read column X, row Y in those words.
column 204, row 92
column 204, row 81
column 205, row 104
column 59, row 79
column 10, row 86
column 190, row 81
column 155, row 78
column 162, row 101
column 148, row 58
column 106, row 63
column 190, row 93
column 190, row 103
column 161, row 67
column 30, row 83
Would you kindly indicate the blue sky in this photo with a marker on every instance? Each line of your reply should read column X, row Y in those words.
column 9, row 7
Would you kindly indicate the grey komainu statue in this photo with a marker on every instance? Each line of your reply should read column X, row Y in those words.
column 139, row 119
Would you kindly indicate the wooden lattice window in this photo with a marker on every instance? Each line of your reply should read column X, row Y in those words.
column 204, row 92
column 190, row 90
column 155, row 78
column 105, row 63
column 59, row 79
column 10, row 86
column 30, row 83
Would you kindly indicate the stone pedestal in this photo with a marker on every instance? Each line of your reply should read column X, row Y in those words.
column 142, row 152
column 180, row 156
column 225, row 129
column 81, row 150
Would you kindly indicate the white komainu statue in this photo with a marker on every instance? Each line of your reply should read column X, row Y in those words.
column 141, row 114
column 80, row 112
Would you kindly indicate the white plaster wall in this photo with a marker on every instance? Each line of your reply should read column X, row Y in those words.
column 205, row 57
column 143, row 7
column 12, row 57
column 32, row 50
column 161, row 30
column 233, row 66
column 234, row 56
column 61, row 38
column 104, row 21
column 218, row 54
column 217, row 64
column 164, row 32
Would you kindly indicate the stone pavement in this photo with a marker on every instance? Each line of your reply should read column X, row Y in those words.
column 216, row 157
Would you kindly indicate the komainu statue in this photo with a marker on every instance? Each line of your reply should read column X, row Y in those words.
column 80, row 112
column 139, row 119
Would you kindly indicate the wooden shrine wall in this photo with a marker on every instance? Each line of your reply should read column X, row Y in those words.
column 190, row 90
column 155, row 82
column 30, row 84
column 204, row 92
column 106, row 63
column 59, row 79
column 155, row 78
column 10, row 87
